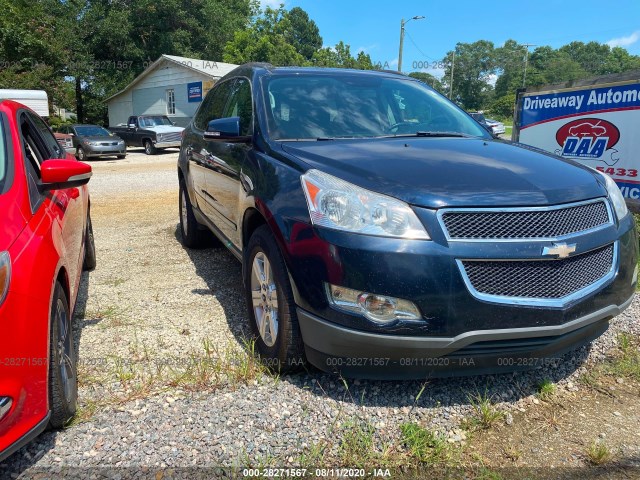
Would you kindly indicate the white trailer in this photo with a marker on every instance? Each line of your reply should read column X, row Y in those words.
column 36, row 100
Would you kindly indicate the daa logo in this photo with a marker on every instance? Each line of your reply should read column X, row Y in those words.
column 589, row 138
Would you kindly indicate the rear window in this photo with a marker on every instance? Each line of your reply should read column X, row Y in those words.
column 3, row 158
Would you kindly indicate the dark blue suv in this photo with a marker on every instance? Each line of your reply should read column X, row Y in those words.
column 384, row 233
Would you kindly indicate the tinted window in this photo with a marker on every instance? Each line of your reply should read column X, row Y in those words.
column 240, row 105
column 213, row 105
column 155, row 121
column 92, row 131
column 358, row 105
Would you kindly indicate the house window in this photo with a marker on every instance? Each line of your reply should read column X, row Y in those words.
column 171, row 102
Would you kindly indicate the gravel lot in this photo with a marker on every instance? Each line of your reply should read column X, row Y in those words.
column 152, row 310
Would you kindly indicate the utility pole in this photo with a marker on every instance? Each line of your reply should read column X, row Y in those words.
column 453, row 65
column 402, row 24
column 526, row 59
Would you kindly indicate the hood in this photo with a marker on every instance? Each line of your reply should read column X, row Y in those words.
column 164, row 129
column 436, row 172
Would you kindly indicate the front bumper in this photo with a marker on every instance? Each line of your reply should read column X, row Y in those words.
column 353, row 353
column 166, row 144
column 105, row 150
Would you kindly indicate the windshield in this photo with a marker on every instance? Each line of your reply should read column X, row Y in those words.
column 320, row 106
column 154, row 121
column 92, row 131
column 3, row 159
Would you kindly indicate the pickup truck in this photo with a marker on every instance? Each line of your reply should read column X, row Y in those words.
column 153, row 132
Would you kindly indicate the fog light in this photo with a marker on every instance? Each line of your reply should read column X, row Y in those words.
column 378, row 308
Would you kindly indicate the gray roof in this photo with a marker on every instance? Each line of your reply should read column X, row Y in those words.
column 206, row 67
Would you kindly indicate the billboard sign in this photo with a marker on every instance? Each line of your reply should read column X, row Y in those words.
column 596, row 126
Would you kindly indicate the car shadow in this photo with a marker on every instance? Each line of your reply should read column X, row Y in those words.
column 222, row 273
column 30, row 454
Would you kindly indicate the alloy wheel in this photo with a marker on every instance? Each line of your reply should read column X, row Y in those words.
column 264, row 297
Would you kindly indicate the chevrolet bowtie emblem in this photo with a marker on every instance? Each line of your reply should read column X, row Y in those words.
column 561, row 250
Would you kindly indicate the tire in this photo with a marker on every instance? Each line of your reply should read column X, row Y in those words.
column 63, row 379
column 194, row 234
column 149, row 147
column 81, row 155
column 89, row 247
column 120, row 157
column 265, row 272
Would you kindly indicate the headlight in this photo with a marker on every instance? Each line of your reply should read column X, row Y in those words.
column 334, row 203
column 615, row 195
column 5, row 275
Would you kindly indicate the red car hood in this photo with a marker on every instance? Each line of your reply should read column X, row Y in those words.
column 11, row 224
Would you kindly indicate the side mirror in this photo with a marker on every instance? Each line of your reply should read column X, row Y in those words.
column 224, row 129
column 60, row 174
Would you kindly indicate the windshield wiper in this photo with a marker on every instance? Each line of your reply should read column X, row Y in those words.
column 424, row 133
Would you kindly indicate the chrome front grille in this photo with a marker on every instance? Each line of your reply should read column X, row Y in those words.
column 539, row 279
column 529, row 223
column 170, row 137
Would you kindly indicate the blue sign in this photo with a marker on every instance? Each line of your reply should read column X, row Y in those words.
column 553, row 106
column 194, row 92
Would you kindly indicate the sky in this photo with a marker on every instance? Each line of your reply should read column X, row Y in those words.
column 374, row 25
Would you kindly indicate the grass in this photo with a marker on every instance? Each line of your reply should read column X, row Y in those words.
column 118, row 380
column 599, row 453
column 426, row 446
column 485, row 413
column 546, row 389
column 626, row 360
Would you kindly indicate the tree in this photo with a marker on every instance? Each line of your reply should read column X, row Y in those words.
column 429, row 79
column 474, row 65
column 303, row 33
column 340, row 57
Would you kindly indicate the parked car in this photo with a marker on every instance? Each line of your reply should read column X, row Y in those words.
column 65, row 140
column 496, row 126
column 480, row 118
column 46, row 240
column 91, row 141
column 153, row 132
column 384, row 247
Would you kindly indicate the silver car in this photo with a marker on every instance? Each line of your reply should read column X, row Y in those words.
column 91, row 141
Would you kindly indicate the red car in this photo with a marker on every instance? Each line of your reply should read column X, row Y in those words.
column 46, row 240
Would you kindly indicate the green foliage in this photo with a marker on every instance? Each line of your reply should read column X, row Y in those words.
column 503, row 106
column 472, row 70
column 426, row 446
column 429, row 79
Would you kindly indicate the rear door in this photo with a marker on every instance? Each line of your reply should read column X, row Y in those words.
column 226, row 159
column 197, row 152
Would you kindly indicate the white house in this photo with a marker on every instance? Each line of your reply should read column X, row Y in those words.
column 172, row 86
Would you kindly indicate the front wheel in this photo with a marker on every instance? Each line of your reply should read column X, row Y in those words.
column 81, row 154
column 63, row 379
column 149, row 147
column 272, row 312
